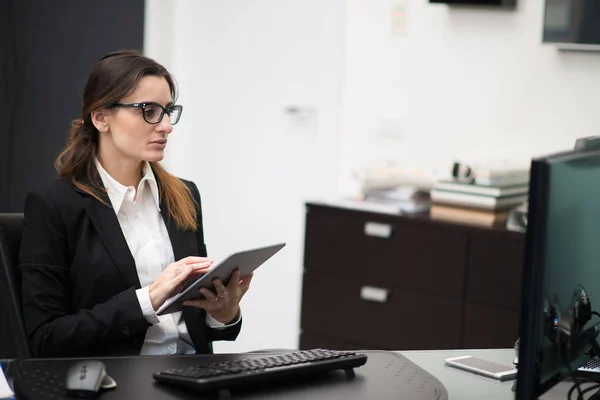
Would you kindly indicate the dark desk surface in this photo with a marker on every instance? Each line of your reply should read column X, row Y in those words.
column 136, row 381
column 386, row 375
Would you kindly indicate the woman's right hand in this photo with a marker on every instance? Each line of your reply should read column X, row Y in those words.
column 172, row 279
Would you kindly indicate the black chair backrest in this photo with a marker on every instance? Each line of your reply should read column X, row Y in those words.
column 13, row 337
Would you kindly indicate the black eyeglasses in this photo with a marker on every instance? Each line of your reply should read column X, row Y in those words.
column 153, row 113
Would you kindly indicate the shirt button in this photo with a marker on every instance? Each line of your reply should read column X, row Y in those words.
column 126, row 331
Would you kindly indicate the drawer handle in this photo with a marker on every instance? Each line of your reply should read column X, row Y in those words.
column 379, row 230
column 372, row 293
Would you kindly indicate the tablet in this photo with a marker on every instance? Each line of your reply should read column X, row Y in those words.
column 247, row 261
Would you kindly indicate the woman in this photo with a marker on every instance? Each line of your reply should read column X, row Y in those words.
column 116, row 235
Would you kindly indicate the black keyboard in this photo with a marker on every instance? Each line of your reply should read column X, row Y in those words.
column 219, row 375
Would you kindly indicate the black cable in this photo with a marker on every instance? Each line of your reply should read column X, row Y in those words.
column 572, row 374
column 576, row 385
column 583, row 392
column 589, row 389
column 570, row 393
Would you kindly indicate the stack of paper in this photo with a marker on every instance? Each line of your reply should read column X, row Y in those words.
column 389, row 178
column 406, row 200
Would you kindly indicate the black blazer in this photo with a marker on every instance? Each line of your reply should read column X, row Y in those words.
column 79, row 277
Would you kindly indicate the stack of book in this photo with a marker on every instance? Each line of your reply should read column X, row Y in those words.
column 391, row 190
column 405, row 200
column 476, row 203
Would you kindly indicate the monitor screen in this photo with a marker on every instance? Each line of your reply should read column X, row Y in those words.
column 572, row 23
column 562, row 258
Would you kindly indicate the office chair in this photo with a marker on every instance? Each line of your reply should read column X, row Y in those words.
column 13, row 342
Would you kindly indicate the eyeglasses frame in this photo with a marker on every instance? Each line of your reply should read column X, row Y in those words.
column 142, row 106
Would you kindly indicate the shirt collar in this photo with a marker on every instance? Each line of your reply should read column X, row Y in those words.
column 117, row 191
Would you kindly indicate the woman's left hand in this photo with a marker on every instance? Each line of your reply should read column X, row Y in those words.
column 223, row 306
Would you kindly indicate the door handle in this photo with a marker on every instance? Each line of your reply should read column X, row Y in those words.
column 379, row 230
column 372, row 293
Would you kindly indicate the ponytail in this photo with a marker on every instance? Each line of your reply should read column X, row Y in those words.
column 177, row 197
column 76, row 161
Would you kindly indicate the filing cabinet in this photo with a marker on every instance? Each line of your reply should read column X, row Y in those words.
column 396, row 282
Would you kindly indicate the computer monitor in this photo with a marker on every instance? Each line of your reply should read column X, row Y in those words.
column 561, row 279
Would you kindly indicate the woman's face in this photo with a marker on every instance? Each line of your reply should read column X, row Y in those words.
column 126, row 131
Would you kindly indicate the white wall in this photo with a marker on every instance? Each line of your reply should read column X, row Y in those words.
column 463, row 83
column 239, row 65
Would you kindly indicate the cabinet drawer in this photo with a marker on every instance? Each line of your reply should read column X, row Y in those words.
column 495, row 270
column 380, row 249
column 488, row 327
column 403, row 321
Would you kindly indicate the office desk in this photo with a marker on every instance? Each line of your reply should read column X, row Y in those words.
column 463, row 385
column 372, row 381
column 386, row 375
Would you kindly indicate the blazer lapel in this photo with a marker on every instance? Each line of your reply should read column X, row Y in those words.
column 183, row 242
column 106, row 223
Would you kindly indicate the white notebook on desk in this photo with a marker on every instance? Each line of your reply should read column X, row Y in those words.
column 592, row 366
column 5, row 391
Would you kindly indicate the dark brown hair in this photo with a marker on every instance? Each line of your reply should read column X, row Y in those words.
column 115, row 77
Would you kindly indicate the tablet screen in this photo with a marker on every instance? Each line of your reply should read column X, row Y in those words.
column 247, row 261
